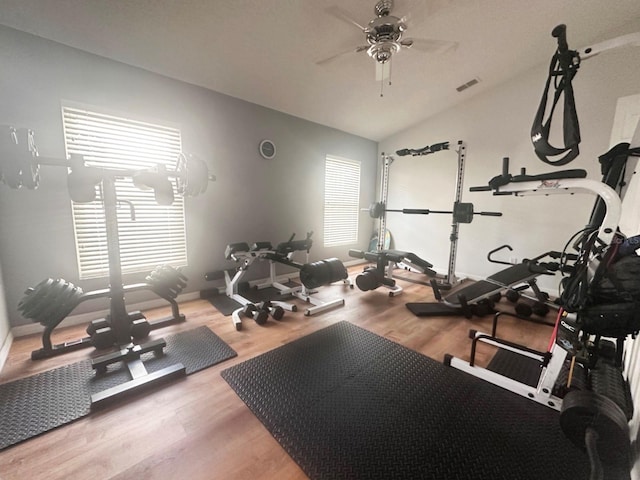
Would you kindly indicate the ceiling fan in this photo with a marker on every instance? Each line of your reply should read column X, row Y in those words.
column 384, row 37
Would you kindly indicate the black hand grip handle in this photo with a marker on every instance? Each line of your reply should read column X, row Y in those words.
column 560, row 32
column 489, row 214
column 490, row 254
column 480, row 189
column 505, row 167
column 418, row 211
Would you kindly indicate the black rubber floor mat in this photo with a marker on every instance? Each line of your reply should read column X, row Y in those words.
column 517, row 367
column 224, row 304
column 346, row 403
column 426, row 309
column 34, row 405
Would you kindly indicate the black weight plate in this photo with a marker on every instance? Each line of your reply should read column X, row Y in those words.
column 12, row 177
column 42, row 295
column 197, row 179
column 586, row 409
column 376, row 210
column 54, row 311
column 30, row 176
column 32, row 296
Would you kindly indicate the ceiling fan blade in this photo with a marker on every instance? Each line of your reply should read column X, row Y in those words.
column 428, row 45
column 343, row 15
column 330, row 59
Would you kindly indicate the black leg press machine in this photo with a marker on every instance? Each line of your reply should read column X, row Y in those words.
column 52, row 300
column 311, row 275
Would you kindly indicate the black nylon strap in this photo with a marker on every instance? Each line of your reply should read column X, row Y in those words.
column 565, row 66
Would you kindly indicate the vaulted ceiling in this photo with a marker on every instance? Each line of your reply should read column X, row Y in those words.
column 267, row 51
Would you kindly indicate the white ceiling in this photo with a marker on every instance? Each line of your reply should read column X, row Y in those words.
column 265, row 51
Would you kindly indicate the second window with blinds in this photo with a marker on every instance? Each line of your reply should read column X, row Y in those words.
column 341, row 201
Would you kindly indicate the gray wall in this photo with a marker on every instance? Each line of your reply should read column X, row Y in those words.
column 253, row 198
column 496, row 124
column 4, row 325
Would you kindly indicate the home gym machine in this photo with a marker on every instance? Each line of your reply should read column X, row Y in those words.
column 51, row 301
column 581, row 373
column 578, row 354
column 311, row 275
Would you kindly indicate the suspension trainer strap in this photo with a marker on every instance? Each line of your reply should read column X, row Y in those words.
column 564, row 65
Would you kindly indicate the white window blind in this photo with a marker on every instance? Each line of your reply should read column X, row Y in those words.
column 341, row 201
column 157, row 236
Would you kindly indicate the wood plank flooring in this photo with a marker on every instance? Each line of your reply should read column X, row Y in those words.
column 196, row 427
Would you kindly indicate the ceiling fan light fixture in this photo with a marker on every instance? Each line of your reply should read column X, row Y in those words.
column 384, row 37
column 381, row 52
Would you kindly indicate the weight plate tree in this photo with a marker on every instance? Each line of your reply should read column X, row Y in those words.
column 20, row 165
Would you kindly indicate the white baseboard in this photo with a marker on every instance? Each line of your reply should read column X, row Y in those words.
column 357, row 261
column 81, row 318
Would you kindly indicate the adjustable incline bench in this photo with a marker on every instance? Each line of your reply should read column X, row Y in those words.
column 525, row 272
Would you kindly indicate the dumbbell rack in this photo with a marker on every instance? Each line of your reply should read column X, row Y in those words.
column 241, row 252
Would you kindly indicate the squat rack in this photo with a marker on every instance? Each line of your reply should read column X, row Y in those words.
column 444, row 281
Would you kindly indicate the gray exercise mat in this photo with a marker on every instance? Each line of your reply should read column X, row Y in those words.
column 34, row 405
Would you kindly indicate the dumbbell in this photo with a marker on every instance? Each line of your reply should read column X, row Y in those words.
column 512, row 295
column 95, row 325
column 103, row 338
column 483, row 307
column 251, row 310
column 277, row 312
column 140, row 328
column 526, row 309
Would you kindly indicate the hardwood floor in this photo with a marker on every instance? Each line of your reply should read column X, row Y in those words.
column 196, row 427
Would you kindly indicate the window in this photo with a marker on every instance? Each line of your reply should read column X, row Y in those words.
column 341, row 201
column 157, row 236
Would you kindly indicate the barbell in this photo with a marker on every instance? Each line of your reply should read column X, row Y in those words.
column 462, row 212
column 20, row 167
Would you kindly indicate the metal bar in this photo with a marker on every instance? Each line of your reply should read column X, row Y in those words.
column 101, row 399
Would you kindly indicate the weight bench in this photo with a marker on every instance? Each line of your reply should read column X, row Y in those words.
column 514, row 277
column 382, row 273
column 312, row 276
